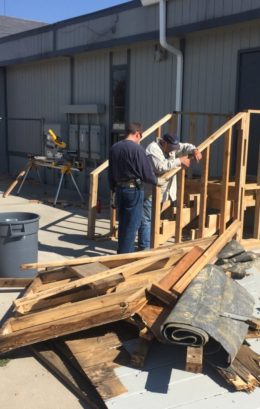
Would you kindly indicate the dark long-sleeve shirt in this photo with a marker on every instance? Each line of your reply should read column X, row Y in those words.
column 128, row 161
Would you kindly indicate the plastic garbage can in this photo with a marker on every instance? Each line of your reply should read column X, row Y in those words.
column 18, row 243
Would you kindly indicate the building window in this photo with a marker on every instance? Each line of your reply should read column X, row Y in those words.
column 119, row 102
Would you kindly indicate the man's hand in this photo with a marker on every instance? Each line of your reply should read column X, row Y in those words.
column 197, row 155
column 161, row 181
column 185, row 161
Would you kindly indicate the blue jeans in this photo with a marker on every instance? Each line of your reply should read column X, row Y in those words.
column 130, row 205
column 144, row 232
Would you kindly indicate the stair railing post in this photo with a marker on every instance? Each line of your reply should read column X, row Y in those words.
column 92, row 208
column 257, row 204
column 225, row 181
column 192, row 136
column 241, row 169
column 180, row 205
column 156, row 217
column 204, row 191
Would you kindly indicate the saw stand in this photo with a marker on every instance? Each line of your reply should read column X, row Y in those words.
column 65, row 169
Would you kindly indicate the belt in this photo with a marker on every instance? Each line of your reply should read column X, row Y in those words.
column 130, row 183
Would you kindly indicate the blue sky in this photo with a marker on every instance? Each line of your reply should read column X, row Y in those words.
column 50, row 11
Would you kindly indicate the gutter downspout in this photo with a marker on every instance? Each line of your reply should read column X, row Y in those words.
column 179, row 56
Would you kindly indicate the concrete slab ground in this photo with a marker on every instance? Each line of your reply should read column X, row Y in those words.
column 24, row 383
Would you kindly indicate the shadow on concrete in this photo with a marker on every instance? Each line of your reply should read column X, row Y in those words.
column 90, row 248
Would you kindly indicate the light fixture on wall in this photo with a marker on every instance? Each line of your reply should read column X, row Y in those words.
column 160, row 54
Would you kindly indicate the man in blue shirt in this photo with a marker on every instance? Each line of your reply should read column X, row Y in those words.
column 128, row 169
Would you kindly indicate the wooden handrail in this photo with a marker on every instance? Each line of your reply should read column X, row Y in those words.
column 157, row 127
column 212, row 138
column 146, row 133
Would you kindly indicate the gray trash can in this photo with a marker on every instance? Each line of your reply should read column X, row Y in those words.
column 18, row 243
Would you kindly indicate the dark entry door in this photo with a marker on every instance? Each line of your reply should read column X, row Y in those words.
column 249, row 98
column 3, row 149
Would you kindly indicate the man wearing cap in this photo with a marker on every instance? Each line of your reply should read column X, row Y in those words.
column 164, row 154
column 129, row 168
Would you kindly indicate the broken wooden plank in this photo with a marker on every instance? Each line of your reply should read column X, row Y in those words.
column 73, row 379
column 206, row 257
column 98, row 357
column 142, row 348
column 163, row 295
column 15, row 181
column 194, row 359
column 123, row 258
column 250, row 360
column 15, row 282
column 126, row 270
column 67, row 319
column 180, row 268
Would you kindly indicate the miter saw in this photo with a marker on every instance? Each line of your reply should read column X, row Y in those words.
column 55, row 150
column 54, row 146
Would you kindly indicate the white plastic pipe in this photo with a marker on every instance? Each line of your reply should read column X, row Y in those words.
column 177, row 53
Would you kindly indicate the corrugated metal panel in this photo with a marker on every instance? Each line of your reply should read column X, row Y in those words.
column 39, row 90
column 191, row 11
column 27, row 46
column 117, row 26
column 91, row 84
column 35, row 91
column 211, row 73
column 127, row 23
column 152, row 85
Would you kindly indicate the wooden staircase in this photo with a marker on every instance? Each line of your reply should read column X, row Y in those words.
column 204, row 205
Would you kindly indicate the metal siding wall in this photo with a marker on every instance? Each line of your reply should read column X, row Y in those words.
column 126, row 23
column 152, row 85
column 91, row 86
column 118, row 25
column 26, row 46
column 211, row 73
column 35, row 91
column 91, row 83
column 39, row 89
column 191, row 11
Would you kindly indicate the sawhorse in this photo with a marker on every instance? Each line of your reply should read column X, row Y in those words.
column 65, row 169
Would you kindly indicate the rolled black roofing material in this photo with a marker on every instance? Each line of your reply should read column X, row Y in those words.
column 196, row 318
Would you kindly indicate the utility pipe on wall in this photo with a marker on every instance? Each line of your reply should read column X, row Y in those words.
column 172, row 50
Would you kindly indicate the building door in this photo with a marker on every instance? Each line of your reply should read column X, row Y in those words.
column 3, row 122
column 248, row 97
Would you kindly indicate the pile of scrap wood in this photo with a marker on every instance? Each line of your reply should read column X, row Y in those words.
column 76, row 315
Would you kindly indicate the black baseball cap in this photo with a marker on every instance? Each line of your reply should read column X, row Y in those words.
column 172, row 141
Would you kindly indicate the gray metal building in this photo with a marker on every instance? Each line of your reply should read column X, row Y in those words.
column 88, row 76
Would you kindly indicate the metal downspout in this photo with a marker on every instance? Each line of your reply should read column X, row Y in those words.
column 179, row 56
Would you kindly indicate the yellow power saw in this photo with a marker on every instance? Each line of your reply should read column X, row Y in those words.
column 54, row 145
